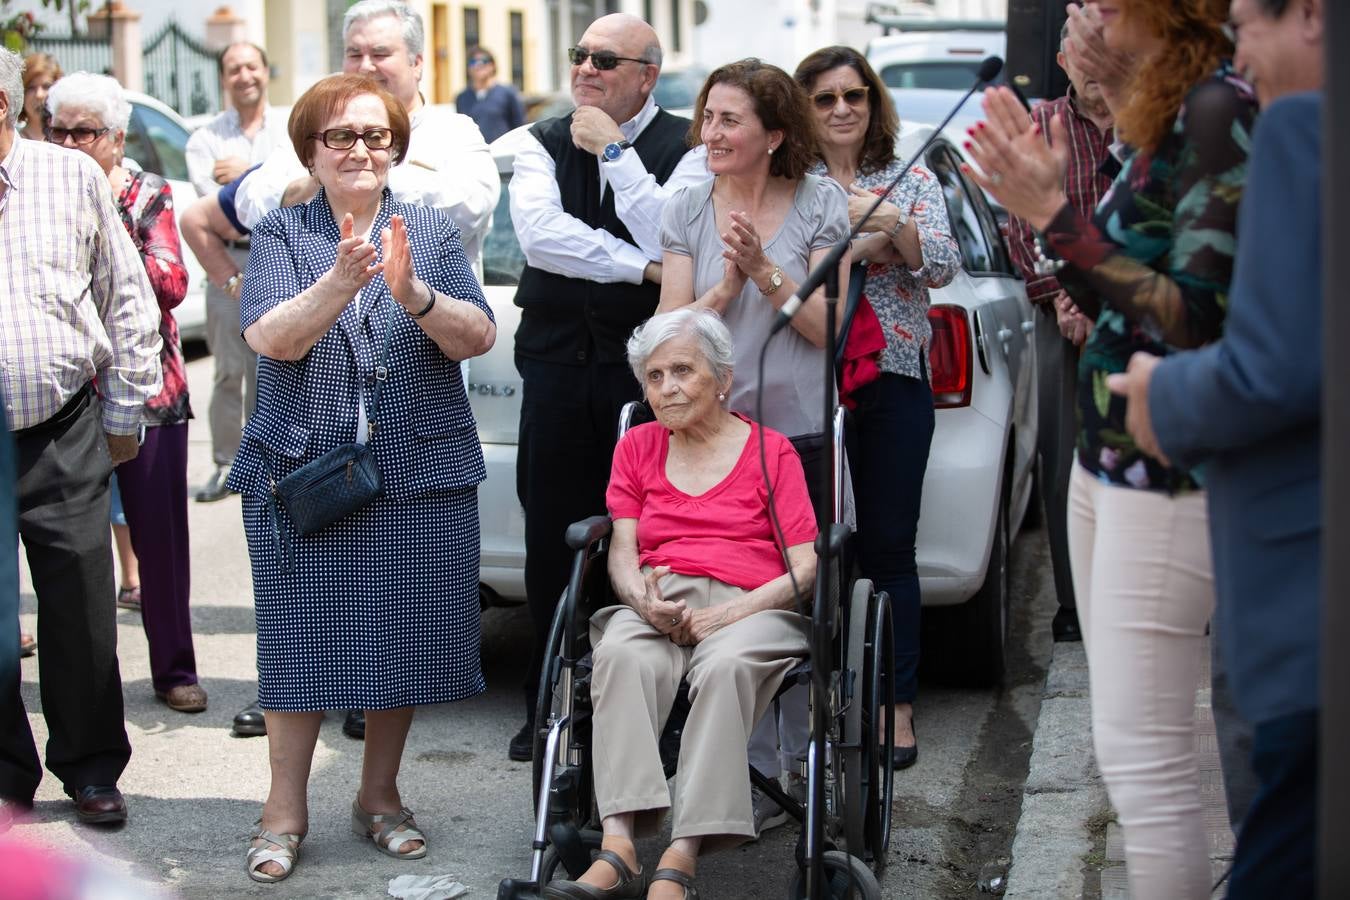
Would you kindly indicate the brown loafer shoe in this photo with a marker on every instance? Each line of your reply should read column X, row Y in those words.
column 186, row 698
column 100, row 805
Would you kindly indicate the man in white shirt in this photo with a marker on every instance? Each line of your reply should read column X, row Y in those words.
column 586, row 200
column 448, row 165
column 218, row 153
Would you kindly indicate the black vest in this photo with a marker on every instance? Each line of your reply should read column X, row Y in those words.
column 572, row 320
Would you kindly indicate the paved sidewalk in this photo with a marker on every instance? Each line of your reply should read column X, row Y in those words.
column 1058, row 848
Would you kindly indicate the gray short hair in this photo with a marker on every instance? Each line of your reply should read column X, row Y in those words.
column 652, row 54
column 704, row 325
column 99, row 94
column 11, row 84
column 408, row 18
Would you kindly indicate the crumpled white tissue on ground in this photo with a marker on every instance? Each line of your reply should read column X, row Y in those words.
column 426, row 887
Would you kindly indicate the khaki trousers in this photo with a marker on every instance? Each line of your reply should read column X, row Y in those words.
column 733, row 675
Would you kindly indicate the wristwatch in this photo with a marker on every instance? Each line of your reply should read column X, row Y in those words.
column 614, row 151
column 775, row 281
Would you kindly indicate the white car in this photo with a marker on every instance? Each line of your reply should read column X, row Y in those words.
column 156, row 141
column 933, row 53
column 979, row 481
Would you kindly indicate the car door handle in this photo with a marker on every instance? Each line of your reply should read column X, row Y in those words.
column 1028, row 326
column 1005, row 334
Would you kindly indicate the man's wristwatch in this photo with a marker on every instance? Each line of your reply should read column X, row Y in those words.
column 775, row 281
column 614, row 151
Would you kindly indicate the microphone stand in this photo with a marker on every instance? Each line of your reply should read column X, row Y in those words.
column 831, row 534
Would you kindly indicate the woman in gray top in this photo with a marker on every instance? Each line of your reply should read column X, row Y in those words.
column 742, row 241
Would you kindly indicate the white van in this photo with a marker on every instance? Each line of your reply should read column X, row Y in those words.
column 934, row 53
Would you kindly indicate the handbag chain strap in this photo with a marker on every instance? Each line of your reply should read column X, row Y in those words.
column 381, row 370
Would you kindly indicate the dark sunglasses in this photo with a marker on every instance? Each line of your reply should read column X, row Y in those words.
column 345, row 138
column 854, row 96
column 479, row 61
column 601, row 59
column 79, row 135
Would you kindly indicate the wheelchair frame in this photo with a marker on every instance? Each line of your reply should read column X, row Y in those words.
column 843, row 844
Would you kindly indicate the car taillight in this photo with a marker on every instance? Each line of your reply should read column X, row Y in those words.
column 950, row 356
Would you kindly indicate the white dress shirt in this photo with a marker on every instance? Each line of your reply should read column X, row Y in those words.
column 222, row 137
column 448, row 167
column 558, row 242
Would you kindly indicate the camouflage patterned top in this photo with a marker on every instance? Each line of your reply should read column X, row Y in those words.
column 1153, row 265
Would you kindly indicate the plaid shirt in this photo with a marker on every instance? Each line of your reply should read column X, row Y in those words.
column 1089, row 149
column 75, row 302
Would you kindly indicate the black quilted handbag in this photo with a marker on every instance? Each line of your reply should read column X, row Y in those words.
column 345, row 478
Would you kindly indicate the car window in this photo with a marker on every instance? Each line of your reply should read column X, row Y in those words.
column 973, row 223
column 678, row 90
column 502, row 256
column 138, row 148
column 956, row 75
column 166, row 137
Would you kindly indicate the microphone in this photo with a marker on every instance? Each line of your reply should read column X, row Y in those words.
column 988, row 71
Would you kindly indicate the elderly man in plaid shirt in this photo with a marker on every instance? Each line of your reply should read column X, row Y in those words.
column 1088, row 120
column 75, row 305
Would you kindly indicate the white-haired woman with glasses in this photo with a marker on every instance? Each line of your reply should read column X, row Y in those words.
column 705, row 593
column 89, row 113
column 379, row 610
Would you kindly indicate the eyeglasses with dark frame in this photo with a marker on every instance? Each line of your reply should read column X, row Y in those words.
column 345, row 138
column 601, row 59
column 480, row 60
column 81, row 136
column 854, row 96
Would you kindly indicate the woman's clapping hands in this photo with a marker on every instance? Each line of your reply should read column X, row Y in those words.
column 357, row 259
column 398, row 267
column 1020, row 170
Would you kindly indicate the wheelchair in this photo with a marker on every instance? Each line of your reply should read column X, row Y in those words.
column 845, row 833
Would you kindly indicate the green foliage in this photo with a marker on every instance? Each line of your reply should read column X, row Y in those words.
column 17, row 29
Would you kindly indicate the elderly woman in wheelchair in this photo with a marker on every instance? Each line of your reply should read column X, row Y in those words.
column 708, row 588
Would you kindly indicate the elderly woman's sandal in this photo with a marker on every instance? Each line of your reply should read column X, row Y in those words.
column 282, row 849
column 382, row 829
column 684, row 879
column 630, row 886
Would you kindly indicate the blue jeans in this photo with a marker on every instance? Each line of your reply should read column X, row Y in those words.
column 1276, row 852
column 892, row 430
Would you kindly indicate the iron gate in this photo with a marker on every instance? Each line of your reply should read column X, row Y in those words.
column 75, row 54
column 181, row 72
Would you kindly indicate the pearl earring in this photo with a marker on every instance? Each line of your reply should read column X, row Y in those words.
column 722, row 397
column 771, row 151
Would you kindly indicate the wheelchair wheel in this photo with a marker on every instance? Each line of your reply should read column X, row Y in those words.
column 879, row 716
column 846, row 878
column 852, row 757
column 544, row 702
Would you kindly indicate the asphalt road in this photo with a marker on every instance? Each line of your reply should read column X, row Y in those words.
column 194, row 791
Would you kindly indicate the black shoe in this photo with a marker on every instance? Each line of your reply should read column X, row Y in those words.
column 214, row 488
column 354, row 726
column 522, row 745
column 100, row 805
column 249, row 721
column 904, row 757
column 1065, row 626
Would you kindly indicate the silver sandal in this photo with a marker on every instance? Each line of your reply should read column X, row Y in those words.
column 389, row 839
column 285, row 852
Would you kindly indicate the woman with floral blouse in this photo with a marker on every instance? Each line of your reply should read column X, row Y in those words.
column 90, row 114
column 1152, row 268
column 909, row 249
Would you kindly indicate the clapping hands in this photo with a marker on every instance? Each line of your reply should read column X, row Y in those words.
column 356, row 262
column 1017, row 167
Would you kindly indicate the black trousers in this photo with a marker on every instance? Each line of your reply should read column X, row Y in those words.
column 569, row 418
column 1276, row 853
column 63, row 502
column 1057, row 435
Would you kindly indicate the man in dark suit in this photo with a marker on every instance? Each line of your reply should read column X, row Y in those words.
column 1249, row 408
column 586, row 201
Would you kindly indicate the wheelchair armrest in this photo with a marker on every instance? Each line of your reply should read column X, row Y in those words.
column 830, row 543
column 581, row 535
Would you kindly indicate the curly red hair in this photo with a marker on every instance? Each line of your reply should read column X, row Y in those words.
column 1193, row 45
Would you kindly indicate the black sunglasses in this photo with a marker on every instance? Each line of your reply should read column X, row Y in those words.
column 81, row 136
column 601, row 59
column 854, row 96
column 345, row 138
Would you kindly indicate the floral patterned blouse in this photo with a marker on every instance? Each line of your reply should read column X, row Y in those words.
column 146, row 208
column 899, row 296
column 1153, row 265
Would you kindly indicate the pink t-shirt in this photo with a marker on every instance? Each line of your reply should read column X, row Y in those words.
column 723, row 533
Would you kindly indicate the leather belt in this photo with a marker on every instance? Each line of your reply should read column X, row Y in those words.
column 64, row 416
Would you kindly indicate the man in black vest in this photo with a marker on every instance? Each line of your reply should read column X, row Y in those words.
column 586, row 200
